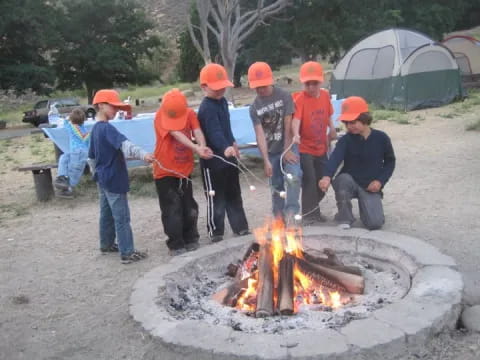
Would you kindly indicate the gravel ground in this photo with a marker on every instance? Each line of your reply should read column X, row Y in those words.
column 62, row 299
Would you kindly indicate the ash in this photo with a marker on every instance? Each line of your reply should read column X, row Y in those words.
column 187, row 295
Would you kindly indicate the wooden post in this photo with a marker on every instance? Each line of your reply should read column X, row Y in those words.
column 43, row 184
column 265, row 282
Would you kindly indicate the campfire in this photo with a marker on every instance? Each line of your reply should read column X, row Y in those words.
column 276, row 276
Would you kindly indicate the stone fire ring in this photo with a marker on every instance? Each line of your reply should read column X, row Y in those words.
column 432, row 305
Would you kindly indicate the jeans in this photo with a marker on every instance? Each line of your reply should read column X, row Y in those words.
column 179, row 211
column 369, row 204
column 312, row 168
column 115, row 221
column 290, row 206
column 72, row 165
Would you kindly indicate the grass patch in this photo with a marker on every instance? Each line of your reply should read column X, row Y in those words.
column 141, row 182
column 390, row 115
column 447, row 115
column 12, row 210
column 473, row 126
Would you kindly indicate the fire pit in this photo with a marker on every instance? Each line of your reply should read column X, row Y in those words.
column 410, row 293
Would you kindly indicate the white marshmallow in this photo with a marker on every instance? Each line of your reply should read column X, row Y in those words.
column 298, row 217
column 289, row 176
column 252, row 188
column 211, row 193
column 283, row 194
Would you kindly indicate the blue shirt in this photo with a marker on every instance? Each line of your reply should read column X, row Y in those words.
column 214, row 120
column 110, row 165
column 78, row 136
column 364, row 159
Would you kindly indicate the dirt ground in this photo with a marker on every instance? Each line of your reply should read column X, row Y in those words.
column 61, row 299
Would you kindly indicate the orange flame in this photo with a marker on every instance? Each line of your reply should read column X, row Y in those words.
column 306, row 290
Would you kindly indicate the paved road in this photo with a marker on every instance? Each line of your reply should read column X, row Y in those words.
column 13, row 133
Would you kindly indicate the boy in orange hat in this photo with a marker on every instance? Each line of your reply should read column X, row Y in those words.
column 368, row 163
column 220, row 178
column 313, row 129
column 174, row 125
column 107, row 153
column 271, row 113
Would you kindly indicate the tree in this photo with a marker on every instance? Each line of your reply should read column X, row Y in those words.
column 103, row 42
column 231, row 22
column 27, row 36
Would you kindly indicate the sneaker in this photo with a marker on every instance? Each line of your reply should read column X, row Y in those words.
column 344, row 226
column 192, row 246
column 133, row 257
column 243, row 232
column 111, row 249
column 61, row 183
column 216, row 238
column 65, row 194
column 176, row 252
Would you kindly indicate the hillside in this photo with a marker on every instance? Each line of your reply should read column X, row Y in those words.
column 169, row 15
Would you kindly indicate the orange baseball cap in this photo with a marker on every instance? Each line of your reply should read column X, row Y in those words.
column 352, row 107
column 110, row 97
column 260, row 74
column 173, row 110
column 214, row 76
column 311, row 71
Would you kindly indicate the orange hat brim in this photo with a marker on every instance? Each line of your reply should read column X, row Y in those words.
column 220, row 84
column 259, row 83
column 350, row 116
column 311, row 78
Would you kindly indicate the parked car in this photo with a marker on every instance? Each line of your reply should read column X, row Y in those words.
column 39, row 114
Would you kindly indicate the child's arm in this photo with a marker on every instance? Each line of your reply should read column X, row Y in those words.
column 203, row 151
column 296, row 130
column 132, row 151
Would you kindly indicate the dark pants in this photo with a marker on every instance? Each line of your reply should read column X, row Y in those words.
column 228, row 197
column 369, row 204
column 312, row 167
column 179, row 211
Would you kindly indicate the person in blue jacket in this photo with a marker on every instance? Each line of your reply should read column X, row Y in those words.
column 368, row 163
column 220, row 179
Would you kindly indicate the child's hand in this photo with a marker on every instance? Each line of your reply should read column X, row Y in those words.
column 229, row 152
column 237, row 152
column 291, row 158
column 374, row 186
column 149, row 158
column 204, row 152
column 332, row 135
column 296, row 139
column 267, row 167
column 324, row 183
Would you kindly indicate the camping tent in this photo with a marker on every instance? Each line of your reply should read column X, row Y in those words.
column 398, row 68
column 466, row 50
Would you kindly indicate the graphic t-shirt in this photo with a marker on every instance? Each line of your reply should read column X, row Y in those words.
column 171, row 153
column 314, row 115
column 270, row 111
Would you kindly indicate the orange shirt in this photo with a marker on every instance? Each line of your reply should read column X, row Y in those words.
column 314, row 115
column 171, row 153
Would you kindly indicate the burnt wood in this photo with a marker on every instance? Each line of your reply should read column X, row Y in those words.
column 285, row 285
column 355, row 270
column 265, row 282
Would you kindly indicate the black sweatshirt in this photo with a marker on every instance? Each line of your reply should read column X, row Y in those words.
column 364, row 159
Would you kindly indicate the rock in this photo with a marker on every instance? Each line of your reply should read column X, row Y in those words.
column 471, row 294
column 471, row 318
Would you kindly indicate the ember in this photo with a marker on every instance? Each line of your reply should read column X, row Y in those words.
column 276, row 276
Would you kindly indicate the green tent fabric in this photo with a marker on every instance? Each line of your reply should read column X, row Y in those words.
column 399, row 69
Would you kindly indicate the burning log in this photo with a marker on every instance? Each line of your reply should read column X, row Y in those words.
column 265, row 282
column 333, row 279
column 335, row 264
column 232, row 269
column 230, row 295
column 285, row 285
